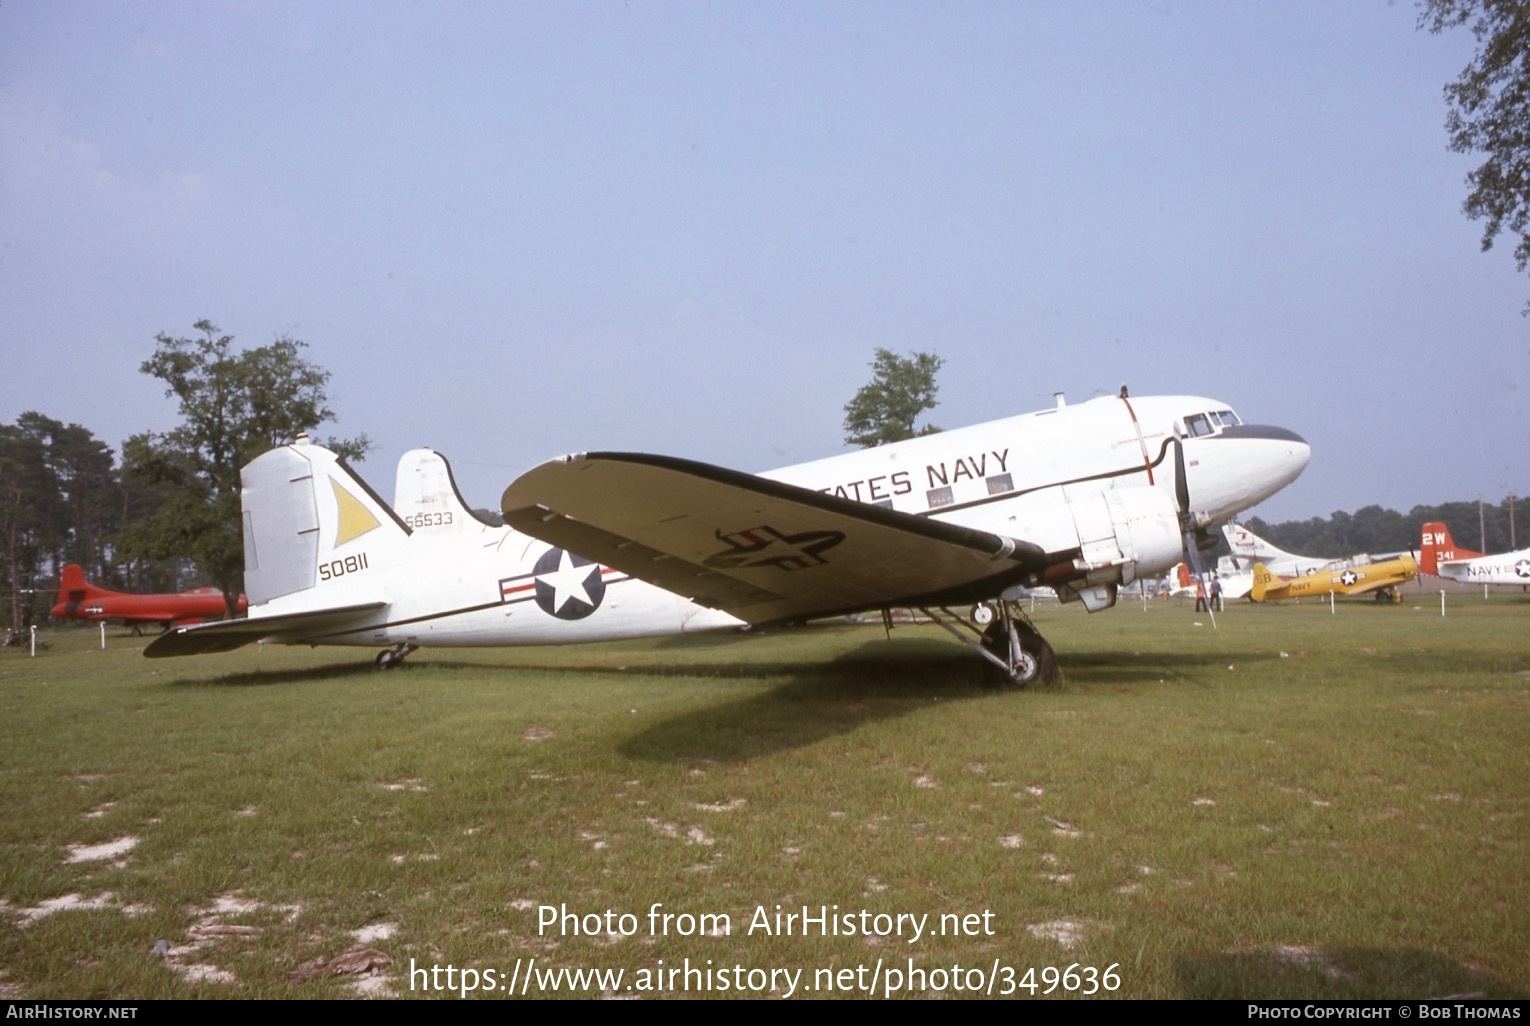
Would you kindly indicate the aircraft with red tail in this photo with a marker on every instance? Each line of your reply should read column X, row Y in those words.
column 1442, row 557
column 78, row 599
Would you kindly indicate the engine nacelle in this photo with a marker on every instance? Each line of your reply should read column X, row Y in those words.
column 1123, row 534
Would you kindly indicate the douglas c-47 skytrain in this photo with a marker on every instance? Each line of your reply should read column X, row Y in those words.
column 1082, row 499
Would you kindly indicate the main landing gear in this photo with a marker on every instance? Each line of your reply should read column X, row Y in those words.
column 389, row 658
column 1001, row 634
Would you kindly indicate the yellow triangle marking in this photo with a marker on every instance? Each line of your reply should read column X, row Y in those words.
column 355, row 519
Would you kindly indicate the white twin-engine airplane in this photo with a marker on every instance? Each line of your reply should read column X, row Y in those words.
column 1082, row 499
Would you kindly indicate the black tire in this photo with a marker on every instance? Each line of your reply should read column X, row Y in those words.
column 1038, row 661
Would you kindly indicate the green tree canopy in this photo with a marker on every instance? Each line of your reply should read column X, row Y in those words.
column 1373, row 529
column 1490, row 112
column 28, row 505
column 886, row 408
column 84, row 495
column 234, row 406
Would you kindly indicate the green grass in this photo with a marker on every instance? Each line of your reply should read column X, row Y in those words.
column 1295, row 804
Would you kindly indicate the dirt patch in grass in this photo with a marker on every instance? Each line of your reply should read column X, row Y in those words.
column 101, row 852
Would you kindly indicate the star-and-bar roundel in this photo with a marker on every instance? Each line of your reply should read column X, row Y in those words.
column 567, row 586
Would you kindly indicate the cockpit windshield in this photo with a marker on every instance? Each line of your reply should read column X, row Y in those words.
column 1198, row 425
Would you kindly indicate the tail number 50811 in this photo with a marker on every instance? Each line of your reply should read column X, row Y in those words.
column 340, row 567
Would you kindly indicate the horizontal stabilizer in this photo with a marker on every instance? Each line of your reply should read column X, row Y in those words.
column 759, row 549
column 227, row 635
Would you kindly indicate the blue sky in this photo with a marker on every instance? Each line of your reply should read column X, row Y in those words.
column 516, row 230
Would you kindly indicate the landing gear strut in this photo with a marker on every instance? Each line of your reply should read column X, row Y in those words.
column 389, row 658
column 1013, row 647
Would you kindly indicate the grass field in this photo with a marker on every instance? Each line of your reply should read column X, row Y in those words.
column 1295, row 804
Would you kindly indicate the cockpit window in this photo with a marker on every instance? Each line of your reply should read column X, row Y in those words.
column 1197, row 425
column 1226, row 418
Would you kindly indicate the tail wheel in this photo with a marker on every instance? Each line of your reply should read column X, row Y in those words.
column 390, row 658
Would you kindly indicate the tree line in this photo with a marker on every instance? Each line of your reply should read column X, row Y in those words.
column 166, row 516
column 1474, row 524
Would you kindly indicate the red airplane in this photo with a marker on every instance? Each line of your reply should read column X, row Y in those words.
column 78, row 599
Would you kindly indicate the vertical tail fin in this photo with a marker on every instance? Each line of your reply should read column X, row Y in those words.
column 72, row 580
column 1262, row 580
column 310, row 524
column 73, row 590
column 1438, row 547
column 425, row 496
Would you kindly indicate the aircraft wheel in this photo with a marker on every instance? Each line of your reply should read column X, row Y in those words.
column 385, row 660
column 1037, row 660
column 1027, row 669
column 983, row 614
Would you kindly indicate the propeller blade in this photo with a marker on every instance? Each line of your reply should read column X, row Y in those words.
column 1187, row 524
column 1181, row 482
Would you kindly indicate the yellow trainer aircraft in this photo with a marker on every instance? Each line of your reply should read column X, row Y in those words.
column 1358, row 575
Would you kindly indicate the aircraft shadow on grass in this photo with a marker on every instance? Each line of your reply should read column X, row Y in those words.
column 267, row 678
column 1123, row 667
column 817, row 705
column 878, row 681
column 1338, row 974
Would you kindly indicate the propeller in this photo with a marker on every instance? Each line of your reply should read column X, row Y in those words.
column 1187, row 524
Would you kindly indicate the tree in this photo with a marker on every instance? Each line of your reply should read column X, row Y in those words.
column 1490, row 112
column 84, row 494
column 234, row 406
column 885, row 409
column 27, row 503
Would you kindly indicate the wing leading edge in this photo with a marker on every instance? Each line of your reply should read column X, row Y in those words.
column 762, row 550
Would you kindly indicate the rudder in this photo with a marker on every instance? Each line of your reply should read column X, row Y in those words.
column 1262, row 580
column 1437, row 546
column 308, row 520
column 425, row 495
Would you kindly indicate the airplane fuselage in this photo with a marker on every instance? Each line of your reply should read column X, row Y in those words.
column 1359, row 576
column 78, row 599
column 430, row 573
column 1509, row 568
column 1098, row 479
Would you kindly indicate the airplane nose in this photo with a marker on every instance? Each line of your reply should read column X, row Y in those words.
column 1244, row 465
